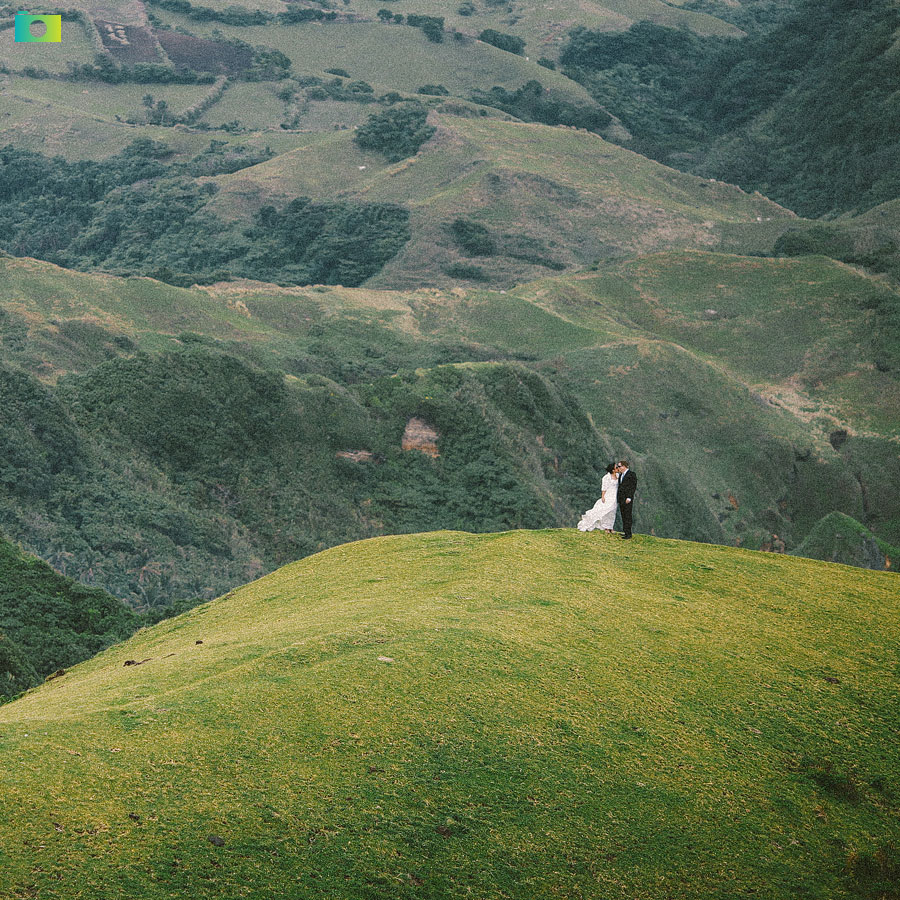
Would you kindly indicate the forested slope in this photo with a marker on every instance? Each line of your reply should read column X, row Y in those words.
column 169, row 443
column 805, row 112
column 49, row 622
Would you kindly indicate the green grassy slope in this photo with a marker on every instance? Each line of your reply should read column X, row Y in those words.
column 680, row 361
column 840, row 539
column 552, row 198
column 393, row 57
column 542, row 25
column 812, row 335
column 514, row 715
column 76, row 120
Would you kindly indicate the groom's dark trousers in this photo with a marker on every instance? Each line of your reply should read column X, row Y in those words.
column 627, row 487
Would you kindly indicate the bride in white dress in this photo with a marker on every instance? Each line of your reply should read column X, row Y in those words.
column 603, row 513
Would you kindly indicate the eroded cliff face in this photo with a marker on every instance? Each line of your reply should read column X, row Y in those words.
column 419, row 435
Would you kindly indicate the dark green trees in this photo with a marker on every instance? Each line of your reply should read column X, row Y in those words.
column 508, row 42
column 398, row 132
column 48, row 622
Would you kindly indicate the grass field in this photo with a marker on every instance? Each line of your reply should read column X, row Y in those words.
column 763, row 318
column 544, row 26
column 553, row 198
column 100, row 100
column 515, row 715
column 50, row 57
column 59, row 119
column 393, row 57
column 254, row 105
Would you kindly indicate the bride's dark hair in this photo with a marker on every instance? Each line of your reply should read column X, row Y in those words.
column 609, row 468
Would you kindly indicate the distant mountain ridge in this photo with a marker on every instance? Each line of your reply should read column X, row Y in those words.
column 804, row 112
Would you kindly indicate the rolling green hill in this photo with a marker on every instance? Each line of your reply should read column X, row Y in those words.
column 512, row 715
column 233, row 428
column 841, row 539
column 483, row 201
column 549, row 198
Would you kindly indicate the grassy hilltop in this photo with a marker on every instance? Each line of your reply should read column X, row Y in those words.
column 511, row 715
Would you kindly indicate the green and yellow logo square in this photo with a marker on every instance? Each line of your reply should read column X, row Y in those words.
column 28, row 28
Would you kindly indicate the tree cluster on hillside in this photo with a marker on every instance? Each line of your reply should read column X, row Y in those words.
column 136, row 212
column 242, row 16
column 104, row 69
column 397, row 132
column 874, row 248
column 805, row 111
column 432, row 26
column 753, row 16
column 509, row 42
column 533, row 103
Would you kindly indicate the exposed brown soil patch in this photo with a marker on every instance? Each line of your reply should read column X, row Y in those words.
column 419, row 435
column 202, row 55
column 355, row 455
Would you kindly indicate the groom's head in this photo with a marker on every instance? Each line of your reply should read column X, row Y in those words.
column 622, row 465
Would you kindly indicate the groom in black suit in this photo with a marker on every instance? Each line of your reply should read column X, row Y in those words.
column 627, row 487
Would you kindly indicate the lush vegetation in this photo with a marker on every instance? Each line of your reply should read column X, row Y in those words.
column 841, row 539
column 208, row 467
column 49, row 622
column 104, row 69
column 508, row 42
column 137, row 213
column 432, row 26
column 878, row 251
column 533, row 103
column 397, row 132
column 520, row 715
column 773, row 112
column 241, row 16
column 201, row 503
column 529, row 714
column 473, row 238
column 207, row 436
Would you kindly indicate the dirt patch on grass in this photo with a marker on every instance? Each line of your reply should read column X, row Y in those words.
column 355, row 455
column 419, row 435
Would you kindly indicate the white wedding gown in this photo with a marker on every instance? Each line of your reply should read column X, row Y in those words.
column 603, row 513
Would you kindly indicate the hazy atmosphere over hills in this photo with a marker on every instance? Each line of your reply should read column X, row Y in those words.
column 279, row 276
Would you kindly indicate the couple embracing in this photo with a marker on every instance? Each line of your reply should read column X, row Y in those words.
column 616, row 491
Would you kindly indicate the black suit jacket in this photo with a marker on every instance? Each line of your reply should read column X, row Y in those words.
column 627, row 487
